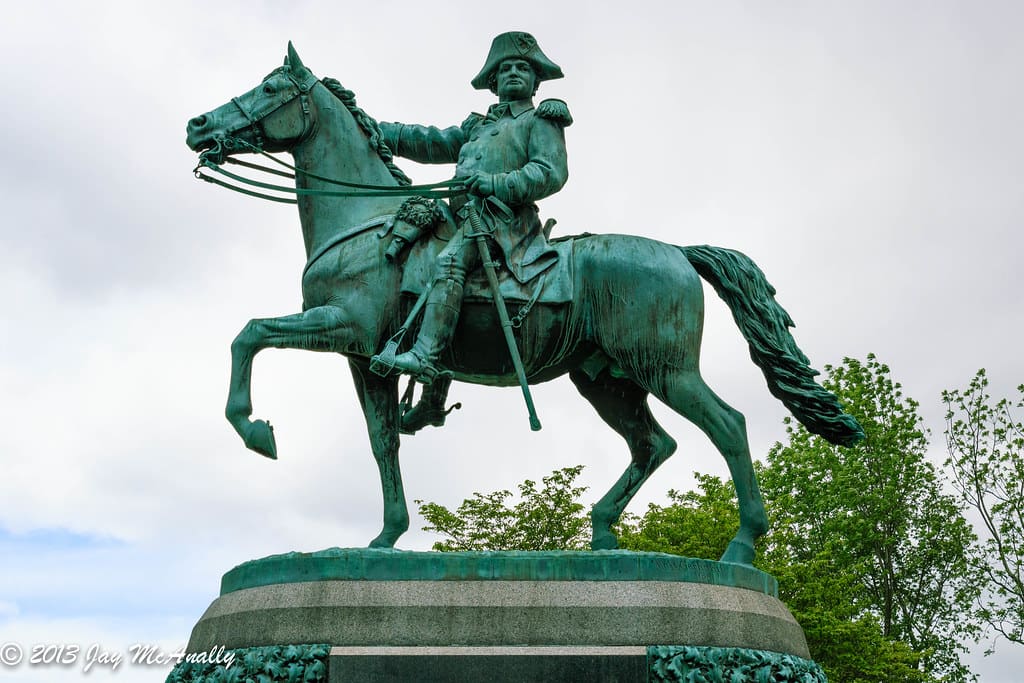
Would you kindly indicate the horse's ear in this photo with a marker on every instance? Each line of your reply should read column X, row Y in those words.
column 292, row 59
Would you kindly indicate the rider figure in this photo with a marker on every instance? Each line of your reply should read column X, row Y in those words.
column 509, row 158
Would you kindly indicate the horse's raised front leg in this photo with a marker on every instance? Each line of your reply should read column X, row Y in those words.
column 379, row 398
column 318, row 329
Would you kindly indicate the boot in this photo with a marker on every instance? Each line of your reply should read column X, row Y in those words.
column 440, row 314
column 429, row 410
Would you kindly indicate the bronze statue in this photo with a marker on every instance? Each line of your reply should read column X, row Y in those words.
column 622, row 315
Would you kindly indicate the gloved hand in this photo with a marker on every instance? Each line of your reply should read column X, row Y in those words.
column 480, row 184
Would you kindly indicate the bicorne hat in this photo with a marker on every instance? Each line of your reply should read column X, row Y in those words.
column 516, row 45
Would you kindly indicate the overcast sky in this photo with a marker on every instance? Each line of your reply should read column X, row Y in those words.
column 869, row 156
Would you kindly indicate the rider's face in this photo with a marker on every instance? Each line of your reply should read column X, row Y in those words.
column 516, row 80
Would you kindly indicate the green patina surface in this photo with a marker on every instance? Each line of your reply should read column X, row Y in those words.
column 687, row 663
column 371, row 564
column 665, row 663
column 307, row 663
column 632, row 330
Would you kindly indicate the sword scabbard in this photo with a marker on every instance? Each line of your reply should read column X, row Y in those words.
column 506, row 323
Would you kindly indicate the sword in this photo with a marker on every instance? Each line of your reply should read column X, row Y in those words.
column 499, row 302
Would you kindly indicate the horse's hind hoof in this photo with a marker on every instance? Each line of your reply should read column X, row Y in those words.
column 259, row 437
column 385, row 541
column 604, row 541
column 739, row 553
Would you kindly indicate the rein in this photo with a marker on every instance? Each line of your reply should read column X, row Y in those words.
column 441, row 190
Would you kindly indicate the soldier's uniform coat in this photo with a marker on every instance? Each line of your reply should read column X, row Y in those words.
column 523, row 151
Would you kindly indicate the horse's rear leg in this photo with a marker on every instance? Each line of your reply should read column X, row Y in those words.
column 318, row 329
column 623, row 405
column 379, row 398
column 686, row 393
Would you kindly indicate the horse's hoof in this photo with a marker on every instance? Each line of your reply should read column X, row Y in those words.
column 383, row 541
column 605, row 541
column 259, row 437
column 739, row 553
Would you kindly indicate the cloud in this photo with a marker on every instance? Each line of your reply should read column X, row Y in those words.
column 80, row 641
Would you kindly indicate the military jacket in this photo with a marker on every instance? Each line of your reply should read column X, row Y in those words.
column 523, row 150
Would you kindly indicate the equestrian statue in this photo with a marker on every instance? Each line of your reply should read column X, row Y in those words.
column 621, row 315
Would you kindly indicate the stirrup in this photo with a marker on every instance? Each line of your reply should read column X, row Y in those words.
column 384, row 362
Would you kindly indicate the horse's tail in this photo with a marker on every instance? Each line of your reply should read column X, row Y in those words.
column 765, row 325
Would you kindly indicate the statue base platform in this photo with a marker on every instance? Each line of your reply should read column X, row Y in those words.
column 386, row 615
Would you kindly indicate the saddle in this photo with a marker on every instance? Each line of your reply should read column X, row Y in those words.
column 553, row 286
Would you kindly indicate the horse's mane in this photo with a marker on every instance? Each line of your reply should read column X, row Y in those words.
column 369, row 126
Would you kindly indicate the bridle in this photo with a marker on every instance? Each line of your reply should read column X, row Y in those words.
column 254, row 113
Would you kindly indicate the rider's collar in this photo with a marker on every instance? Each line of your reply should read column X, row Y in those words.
column 513, row 108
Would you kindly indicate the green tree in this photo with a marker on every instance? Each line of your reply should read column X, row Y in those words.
column 986, row 456
column 548, row 518
column 875, row 518
column 694, row 524
column 844, row 640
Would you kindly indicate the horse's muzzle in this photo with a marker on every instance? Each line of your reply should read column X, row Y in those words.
column 199, row 135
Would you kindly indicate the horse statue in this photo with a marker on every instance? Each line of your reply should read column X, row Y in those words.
column 632, row 329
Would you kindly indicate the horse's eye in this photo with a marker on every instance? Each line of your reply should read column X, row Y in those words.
column 268, row 89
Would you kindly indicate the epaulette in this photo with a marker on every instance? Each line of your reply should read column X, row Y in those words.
column 555, row 110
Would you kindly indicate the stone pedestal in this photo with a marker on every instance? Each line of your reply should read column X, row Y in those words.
column 385, row 615
column 513, row 664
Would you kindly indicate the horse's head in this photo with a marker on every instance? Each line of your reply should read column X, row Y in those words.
column 274, row 116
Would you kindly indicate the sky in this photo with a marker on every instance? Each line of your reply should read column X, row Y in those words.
column 868, row 156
